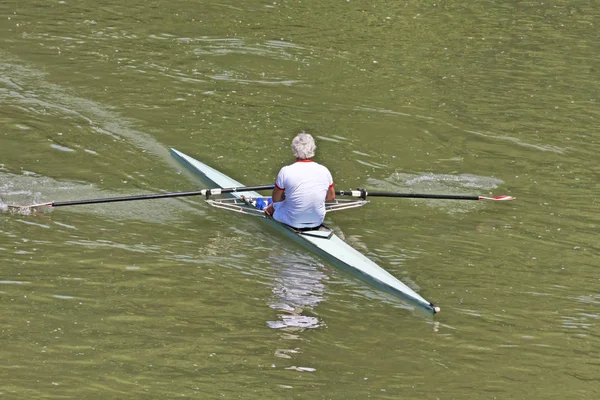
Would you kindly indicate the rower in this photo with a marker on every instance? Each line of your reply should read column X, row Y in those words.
column 302, row 188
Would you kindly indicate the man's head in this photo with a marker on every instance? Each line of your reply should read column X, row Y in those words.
column 303, row 146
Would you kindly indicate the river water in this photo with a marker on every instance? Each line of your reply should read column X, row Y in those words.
column 172, row 298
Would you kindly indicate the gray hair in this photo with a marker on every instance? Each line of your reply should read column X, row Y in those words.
column 303, row 146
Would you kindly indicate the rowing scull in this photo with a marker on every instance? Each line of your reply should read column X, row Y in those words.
column 321, row 241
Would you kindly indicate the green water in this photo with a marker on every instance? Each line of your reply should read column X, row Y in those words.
column 171, row 298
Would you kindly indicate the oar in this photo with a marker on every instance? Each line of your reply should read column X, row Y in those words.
column 203, row 192
column 362, row 193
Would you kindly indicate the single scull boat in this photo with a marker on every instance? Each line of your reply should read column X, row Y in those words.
column 321, row 241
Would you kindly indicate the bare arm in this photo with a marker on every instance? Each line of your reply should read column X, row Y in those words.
column 278, row 195
column 330, row 194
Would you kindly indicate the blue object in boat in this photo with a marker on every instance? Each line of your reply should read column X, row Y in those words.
column 262, row 202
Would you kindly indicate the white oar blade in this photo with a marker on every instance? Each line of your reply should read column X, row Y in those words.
column 17, row 208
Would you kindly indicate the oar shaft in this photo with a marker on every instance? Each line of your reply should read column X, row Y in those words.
column 364, row 194
column 203, row 192
column 423, row 196
column 124, row 198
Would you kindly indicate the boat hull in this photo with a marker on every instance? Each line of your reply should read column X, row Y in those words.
column 323, row 243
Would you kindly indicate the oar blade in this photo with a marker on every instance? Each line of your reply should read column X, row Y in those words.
column 15, row 207
column 498, row 198
column 22, row 210
column 37, row 205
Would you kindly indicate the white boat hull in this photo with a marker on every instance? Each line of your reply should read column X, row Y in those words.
column 323, row 242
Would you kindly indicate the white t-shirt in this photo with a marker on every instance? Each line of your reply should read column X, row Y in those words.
column 305, row 184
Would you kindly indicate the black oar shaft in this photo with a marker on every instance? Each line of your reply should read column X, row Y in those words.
column 364, row 194
column 124, row 198
column 161, row 195
column 423, row 196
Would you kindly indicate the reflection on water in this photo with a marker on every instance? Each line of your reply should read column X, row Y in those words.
column 298, row 287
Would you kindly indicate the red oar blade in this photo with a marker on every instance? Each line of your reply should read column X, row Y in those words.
column 497, row 198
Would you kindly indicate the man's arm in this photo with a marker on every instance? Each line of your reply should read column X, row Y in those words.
column 330, row 194
column 279, row 195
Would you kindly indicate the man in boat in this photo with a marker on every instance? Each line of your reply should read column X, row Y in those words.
column 302, row 188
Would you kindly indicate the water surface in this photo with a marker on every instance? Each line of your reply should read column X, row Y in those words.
column 171, row 298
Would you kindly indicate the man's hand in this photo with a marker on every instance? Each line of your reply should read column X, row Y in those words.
column 269, row 210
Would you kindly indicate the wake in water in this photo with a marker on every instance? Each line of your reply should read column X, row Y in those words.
column 82, row 128
column 30, row 195
column 463, row 184
column 14, row 190
column 436, row 182
column 6, row 208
